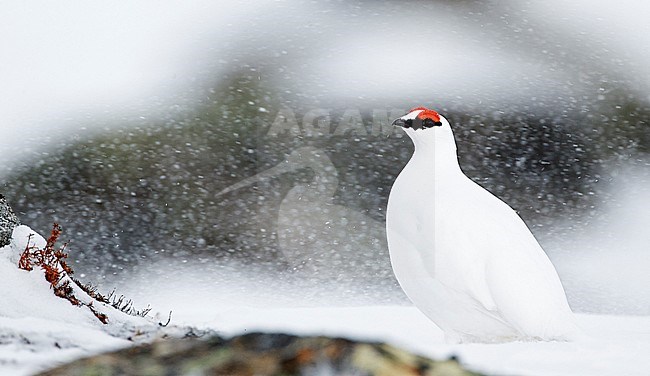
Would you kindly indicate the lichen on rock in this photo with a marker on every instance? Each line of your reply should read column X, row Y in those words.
column 262, row 354
column 8, row 221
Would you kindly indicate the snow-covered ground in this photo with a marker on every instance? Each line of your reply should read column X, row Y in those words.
column 39, row 330
column 619, row 344
column 247, row 302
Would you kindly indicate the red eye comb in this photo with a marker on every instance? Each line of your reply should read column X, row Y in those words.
column 427, row 114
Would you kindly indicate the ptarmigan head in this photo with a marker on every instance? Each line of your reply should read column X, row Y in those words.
column 419, row 118
column 426, row 126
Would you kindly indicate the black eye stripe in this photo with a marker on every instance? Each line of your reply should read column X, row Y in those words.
column 428, row 123
column 418, row 123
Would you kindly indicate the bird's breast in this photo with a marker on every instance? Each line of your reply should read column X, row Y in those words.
column 434, row 214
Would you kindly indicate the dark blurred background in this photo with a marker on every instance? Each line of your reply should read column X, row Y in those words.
column 127, row 123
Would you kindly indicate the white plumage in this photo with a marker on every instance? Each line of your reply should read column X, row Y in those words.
column 462, row 255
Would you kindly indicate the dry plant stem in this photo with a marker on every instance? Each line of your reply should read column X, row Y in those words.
column 57, row 272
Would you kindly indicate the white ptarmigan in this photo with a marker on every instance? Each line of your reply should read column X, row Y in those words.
column 463, row 256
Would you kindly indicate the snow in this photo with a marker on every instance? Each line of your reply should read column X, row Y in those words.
column 30, row 344
column 619, row 344
column 237, row 302
column 248, row 303
column 39, row 330
column 604, row 266
column 28, row 294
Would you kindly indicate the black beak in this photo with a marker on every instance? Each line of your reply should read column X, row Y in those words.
column 399, row 123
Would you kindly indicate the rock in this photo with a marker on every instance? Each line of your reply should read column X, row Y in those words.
column 8, row 221
column 261, row 354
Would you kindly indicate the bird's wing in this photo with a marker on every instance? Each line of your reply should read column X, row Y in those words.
column 442, row 301
column 520, row 278
column 528, row 294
